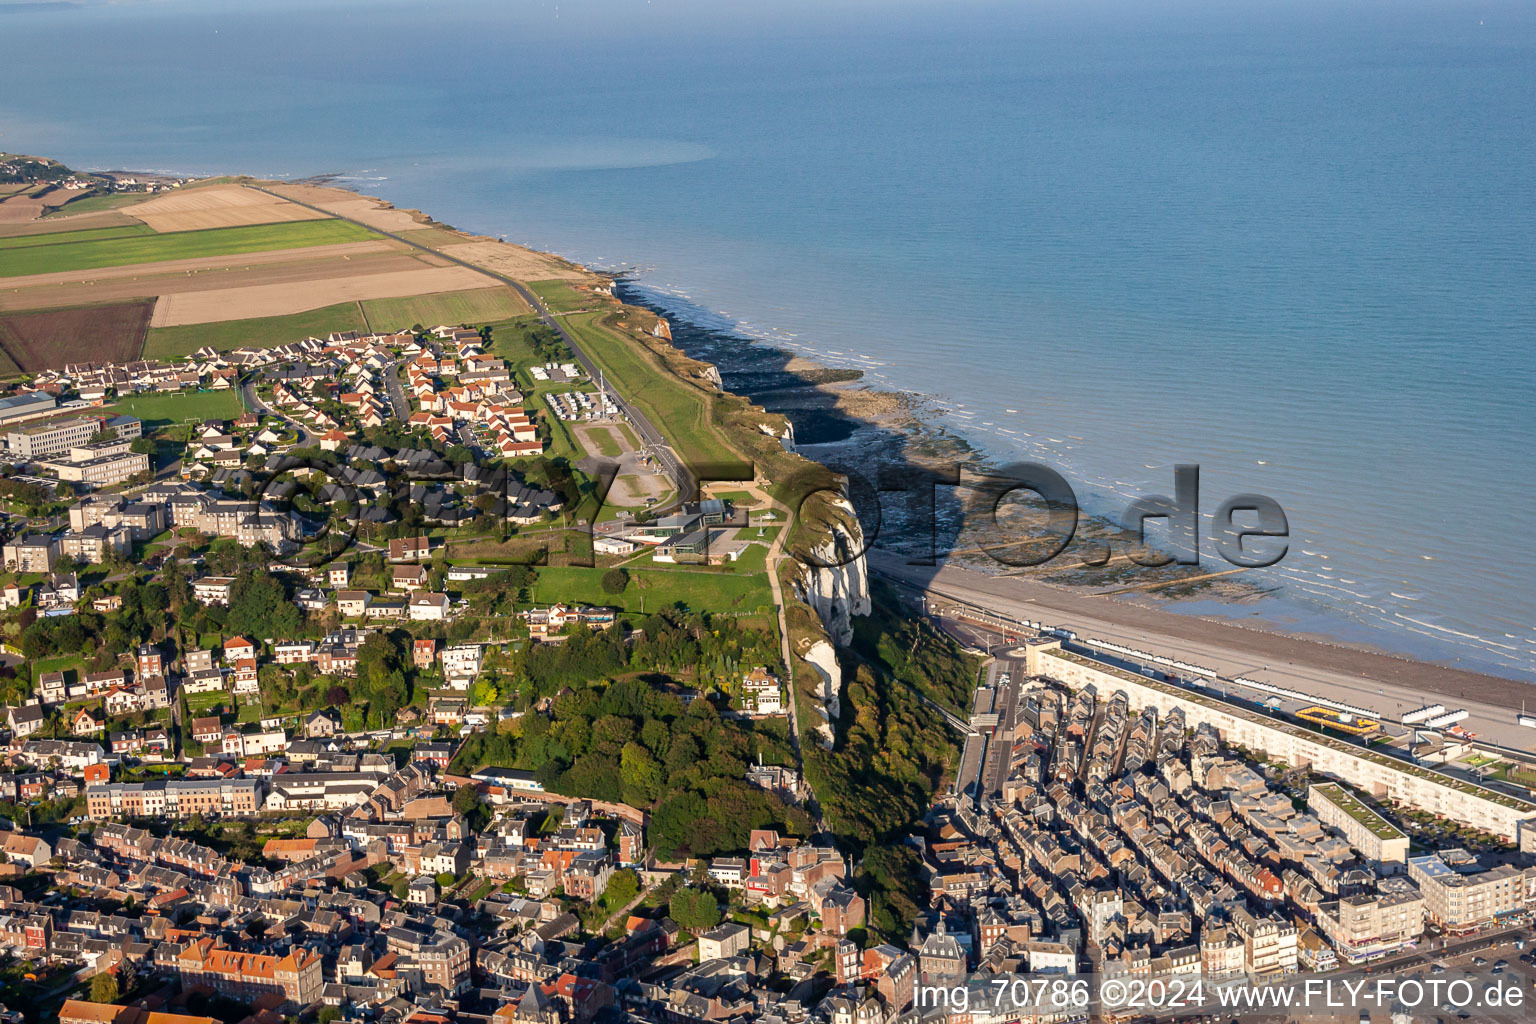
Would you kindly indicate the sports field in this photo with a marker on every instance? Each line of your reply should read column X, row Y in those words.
column 116, row 252
column 178, row 407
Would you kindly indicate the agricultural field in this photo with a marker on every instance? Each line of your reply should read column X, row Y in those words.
column 514, row 261
column 698, row 589
column 474, row 307
column 257, row 332
column 218, row 206
column 98, row 203
column 320, row 289
column 117, row 252
column 81, row 235
column 165, row 410
column 58, row 225
column 48, row 339
column 432, row 238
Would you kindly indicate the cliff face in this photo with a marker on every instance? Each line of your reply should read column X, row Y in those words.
column 837, row 586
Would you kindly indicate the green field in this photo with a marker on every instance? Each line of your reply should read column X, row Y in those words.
column 178, row 406
column 179, row 245
column 560, row 296
column 98, row 203
column 259, row 332
column 675, row 407
column 476, row 307
column 653, row 589
column 72, row 237
column 607, row 443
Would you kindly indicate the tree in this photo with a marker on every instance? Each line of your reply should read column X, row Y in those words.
column 694, row 909
column 104, row 988
column 143, row 446
column 466, row 800
column 615, row 580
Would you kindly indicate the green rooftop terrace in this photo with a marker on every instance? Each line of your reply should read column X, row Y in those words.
column 1351, row 805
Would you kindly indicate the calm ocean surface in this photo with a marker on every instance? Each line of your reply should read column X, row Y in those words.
column 1293, row 247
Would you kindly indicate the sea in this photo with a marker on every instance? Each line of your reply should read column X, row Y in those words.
column 1289, row 243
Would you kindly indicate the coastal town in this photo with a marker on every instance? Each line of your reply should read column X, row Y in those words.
column 403, row 677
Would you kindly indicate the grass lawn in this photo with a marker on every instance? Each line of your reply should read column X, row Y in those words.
column 560, row 296
column 676, row 408
column 71, row 237
column 607, row 442
column 177, row 407
column 179, row 245
column 258, row 332
column 475, row 307
column 58, row 663
column 753, row 559
column 653, row 589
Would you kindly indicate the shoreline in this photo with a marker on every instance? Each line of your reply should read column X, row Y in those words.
column 1220, row 596
column 844, row 411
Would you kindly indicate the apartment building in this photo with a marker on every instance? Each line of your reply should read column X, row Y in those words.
column 50, row 437
column 1366, row 926
column 1463, row 898
column 31, row 553
column 246, row 977
column 174, row 798
column 1375, row 837
column 1382, row 776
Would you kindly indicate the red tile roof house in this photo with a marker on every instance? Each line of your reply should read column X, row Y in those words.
column 238, row 649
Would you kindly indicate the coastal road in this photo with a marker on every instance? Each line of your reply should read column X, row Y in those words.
column 682, row 479
column 1386, row 684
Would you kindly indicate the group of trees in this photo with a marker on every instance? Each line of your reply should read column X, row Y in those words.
column 101, row 637
column 629, row 741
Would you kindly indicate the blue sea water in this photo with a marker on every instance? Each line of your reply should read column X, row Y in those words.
column 1292, row 245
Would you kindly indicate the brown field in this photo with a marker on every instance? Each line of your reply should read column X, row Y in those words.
column 278, row 299
column 373, row 212
column 213, row 279
column 299, row 272
column 72, row 222
column 101, row 333
column 516, row 262
column 21, row 209
column 218, row 206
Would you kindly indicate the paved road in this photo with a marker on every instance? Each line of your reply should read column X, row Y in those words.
column 1387, row 684
column 253, row 403
column 650, row 436
column 395, row 392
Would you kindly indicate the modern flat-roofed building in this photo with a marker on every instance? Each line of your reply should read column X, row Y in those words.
column 98, row 467
column 1374, row 836
column 31, row 553
column 50, row 437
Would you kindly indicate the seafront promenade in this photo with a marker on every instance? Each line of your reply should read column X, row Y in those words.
column 1387, row 684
